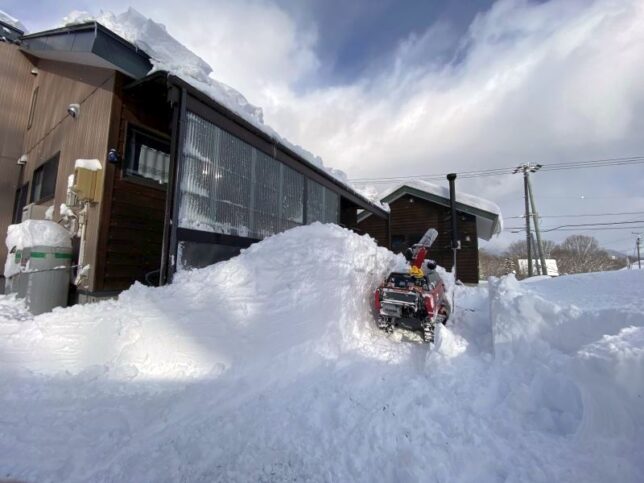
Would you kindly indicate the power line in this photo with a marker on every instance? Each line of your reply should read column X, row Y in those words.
column 586, row 224
column 580, row 215
column 596, row 163
column 582, row 229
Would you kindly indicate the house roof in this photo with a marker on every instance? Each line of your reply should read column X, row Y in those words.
column 489, row 221
column 345, row 190
column 91, row 44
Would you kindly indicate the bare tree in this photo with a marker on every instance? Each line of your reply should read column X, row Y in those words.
column 491, row 265
column 582, row 253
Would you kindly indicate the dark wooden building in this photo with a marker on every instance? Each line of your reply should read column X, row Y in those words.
column 418, row 206
column 185, row 180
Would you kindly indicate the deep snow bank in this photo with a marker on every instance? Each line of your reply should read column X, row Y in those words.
column 307, row 285
column 580, row 340
column 266, row 368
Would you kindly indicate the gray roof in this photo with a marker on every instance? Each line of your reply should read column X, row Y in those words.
column 88, row 44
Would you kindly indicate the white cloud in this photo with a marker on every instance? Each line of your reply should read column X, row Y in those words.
column 545, row 82
column 538, row 82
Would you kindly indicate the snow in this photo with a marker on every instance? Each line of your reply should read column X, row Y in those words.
column 13, row 22
column 169, row 55
column 267, row 367
column 32, row 233
column 91, row 164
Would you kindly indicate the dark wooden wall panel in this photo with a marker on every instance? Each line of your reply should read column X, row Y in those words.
column 133, row 232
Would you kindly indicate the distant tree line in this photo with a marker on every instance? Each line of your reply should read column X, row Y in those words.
column 576, row 254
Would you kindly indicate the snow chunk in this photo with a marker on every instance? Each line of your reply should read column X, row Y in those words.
column 31, row 233
column 14, row 22
column 91, row 164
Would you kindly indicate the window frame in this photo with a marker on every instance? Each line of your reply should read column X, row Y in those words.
column 16, row 216
column 158, row 139
column 40, row 170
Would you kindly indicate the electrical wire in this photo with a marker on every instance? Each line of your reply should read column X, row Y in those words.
column 595, row 163
column 580, row 215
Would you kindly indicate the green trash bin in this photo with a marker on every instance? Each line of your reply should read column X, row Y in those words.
column 44, row 277
column 12, row 282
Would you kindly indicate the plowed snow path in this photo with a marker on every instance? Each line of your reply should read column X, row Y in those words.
column 508, row 393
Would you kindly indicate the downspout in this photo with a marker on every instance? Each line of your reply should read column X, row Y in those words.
column 177, row 97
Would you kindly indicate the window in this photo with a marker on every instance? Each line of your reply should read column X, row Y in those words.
column 147, row 156
column 22, row 194
column 32, row 109
column 43, row 185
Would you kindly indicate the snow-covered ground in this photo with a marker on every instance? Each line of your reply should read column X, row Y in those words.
column 267, row 368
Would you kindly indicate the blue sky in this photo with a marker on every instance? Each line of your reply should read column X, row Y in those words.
column 387, row 88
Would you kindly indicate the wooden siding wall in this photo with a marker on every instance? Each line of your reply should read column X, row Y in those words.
column 411, row 217
column 132, row 231
column 53, row 130
column 376, row 228
column 16, row 86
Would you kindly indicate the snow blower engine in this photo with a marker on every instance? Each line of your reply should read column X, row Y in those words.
column 414, row 300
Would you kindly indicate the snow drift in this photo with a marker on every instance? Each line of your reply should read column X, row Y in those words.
column 277, row 294
column 267, row 368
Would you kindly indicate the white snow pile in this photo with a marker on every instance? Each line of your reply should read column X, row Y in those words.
column 13, row 22
column 91, row 164
column 267, row 368
column 33, row 233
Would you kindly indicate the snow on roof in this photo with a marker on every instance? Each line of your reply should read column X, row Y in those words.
column 464, row 198
column 13, row 22
column 486, row 228
column 168, row 55
column 443, row 192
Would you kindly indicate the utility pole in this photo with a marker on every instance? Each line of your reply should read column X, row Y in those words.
column 637, row 244
column 535, row 217
column 526, row 169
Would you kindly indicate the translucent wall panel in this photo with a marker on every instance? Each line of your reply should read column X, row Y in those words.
column 314, row 202
column 199, row 171
column 322, row 204
column 266, row 199
column 229, row 187
column 292, row 199
column 331, row 207
column 233, row 185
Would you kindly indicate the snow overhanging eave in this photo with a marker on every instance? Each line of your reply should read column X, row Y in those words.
column 344, row 190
